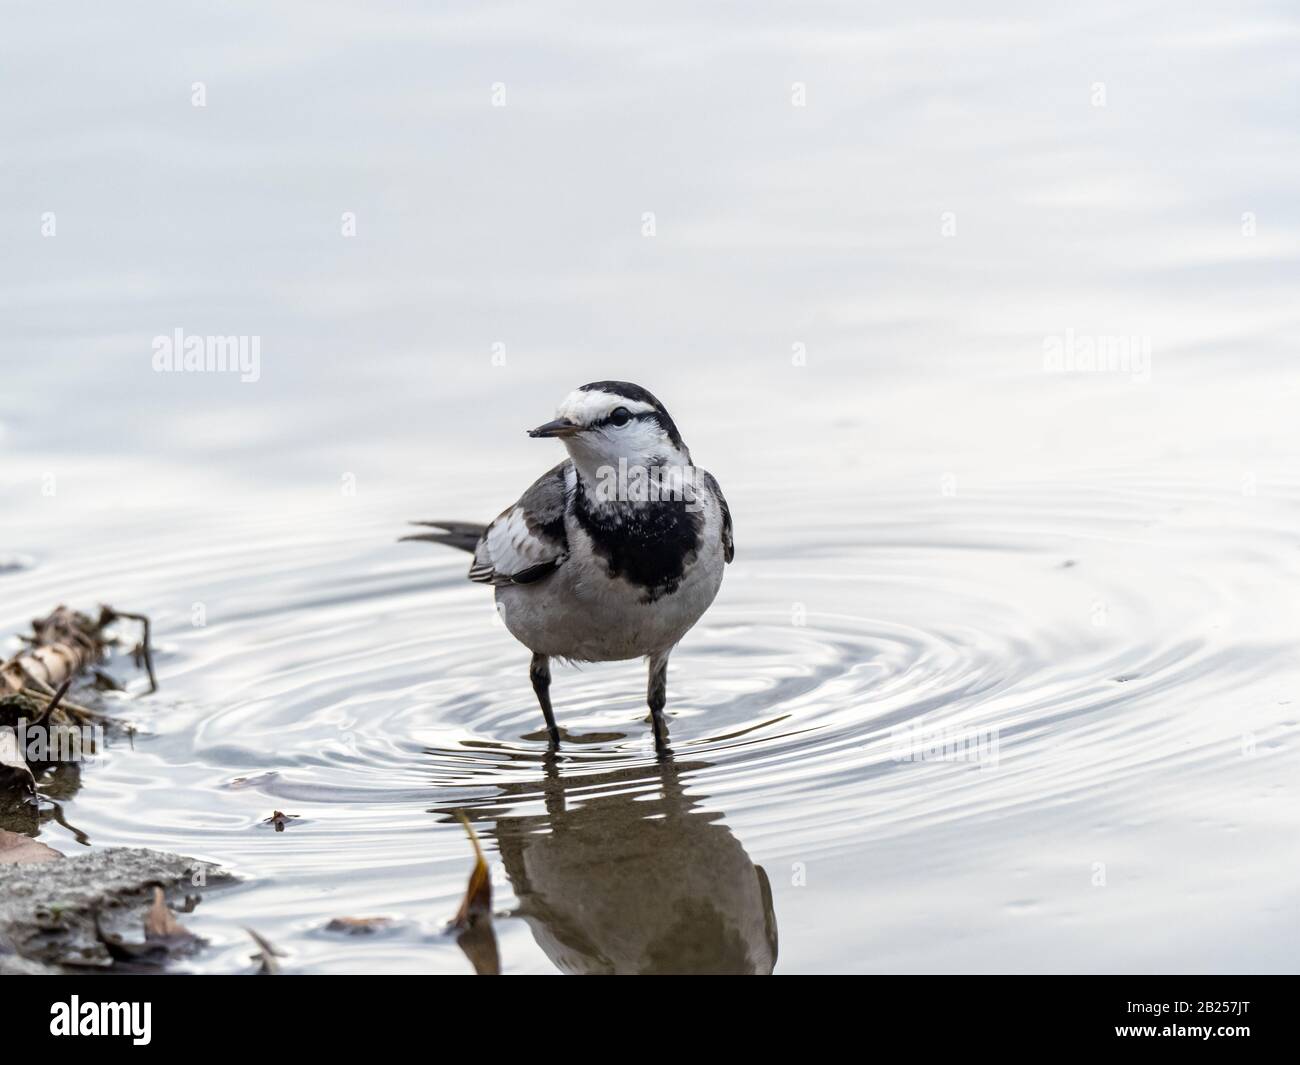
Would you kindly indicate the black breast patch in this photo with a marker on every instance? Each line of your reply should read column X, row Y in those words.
column 647, row 544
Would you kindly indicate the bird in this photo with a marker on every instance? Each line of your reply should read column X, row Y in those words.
column 613, row 554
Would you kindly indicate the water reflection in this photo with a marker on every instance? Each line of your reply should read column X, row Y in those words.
column 624, row 873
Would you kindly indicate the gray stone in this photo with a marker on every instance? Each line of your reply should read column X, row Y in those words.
column 47, row 910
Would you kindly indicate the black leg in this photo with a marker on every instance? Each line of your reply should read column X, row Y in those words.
column 540, row 674
column 657, row 696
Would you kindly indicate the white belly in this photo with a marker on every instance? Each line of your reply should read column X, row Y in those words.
column 581, row 614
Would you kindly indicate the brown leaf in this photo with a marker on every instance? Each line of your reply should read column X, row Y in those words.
column 358, row 926
column 16, row 849
column 160, row 923
column 266, row 954
column 477, row 903
column 164, row 938
column 473, row 922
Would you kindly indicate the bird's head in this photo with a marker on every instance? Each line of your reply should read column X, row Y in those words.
column 606, row 421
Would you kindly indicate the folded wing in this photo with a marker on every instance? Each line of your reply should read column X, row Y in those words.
column 728, row 542
column 527, row 542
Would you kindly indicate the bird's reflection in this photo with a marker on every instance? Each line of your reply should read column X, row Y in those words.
column 624, row 874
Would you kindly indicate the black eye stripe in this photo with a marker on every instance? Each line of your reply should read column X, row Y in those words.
column 659, row 418
column 625, row 390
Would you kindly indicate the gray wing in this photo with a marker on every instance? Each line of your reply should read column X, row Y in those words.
column 527, row 541
column 728, row 543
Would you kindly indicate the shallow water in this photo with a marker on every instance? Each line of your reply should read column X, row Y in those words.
column 1085, row 584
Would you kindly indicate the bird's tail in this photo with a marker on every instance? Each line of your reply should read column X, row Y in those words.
column 463, row 535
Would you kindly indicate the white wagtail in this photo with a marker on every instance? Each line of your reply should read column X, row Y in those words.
column 613, row 554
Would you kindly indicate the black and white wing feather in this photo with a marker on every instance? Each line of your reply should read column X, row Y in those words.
column 728, row 543
column 527, row 542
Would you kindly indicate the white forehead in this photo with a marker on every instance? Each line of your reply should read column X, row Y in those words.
column 588, row 407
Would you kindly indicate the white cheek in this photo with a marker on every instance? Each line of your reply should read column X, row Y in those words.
column 591, row 450
column 640, row 439
column 636, row 442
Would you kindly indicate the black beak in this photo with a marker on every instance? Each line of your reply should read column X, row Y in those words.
column 559, row 427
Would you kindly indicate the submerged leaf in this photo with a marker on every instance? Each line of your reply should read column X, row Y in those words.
column 358, row 926
column 479, row 945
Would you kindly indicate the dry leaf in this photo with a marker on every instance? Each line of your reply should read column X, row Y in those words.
column 164, row 937
column 17, row 849
column 477, row 903
column 358, row 926
column 266, row 954
column 161, row 924
column 473, row 922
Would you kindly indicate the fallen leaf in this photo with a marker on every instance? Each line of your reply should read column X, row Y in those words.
column 358, row 926
column 266, row 954
column 17, row 849
column 161, row 924
column 478, row 892
column 473, row 921
column 164, row 938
